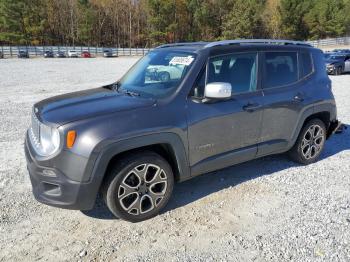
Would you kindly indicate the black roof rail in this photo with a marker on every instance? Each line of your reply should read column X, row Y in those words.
column 182, row 44
column 257, row 41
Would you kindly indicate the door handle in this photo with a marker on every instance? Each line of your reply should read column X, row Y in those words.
column 251, row 107
column 298, row 98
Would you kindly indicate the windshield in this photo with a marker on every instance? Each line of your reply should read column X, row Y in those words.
column 157, row 74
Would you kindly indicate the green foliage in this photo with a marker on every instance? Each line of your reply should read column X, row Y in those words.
column 244, row 19
column 85, row 26
column 22, row 21
column 326, row 18
column 162, row 20
column 11, row 21
column 209, row 17
column 152, row 22
column 292, row 14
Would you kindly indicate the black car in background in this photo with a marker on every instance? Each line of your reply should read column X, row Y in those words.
column 23, row 54
column 337, row 63
column 108, row 53
column 48, row 54
column 61, row 54
column 342, row 51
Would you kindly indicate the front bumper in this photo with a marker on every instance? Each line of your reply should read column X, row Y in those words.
column 52, row 187
column 330, row 70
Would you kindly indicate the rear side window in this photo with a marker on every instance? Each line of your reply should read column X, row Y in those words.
column 306, row 65
column 280, row 69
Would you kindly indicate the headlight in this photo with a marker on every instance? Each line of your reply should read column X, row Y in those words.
column 49, row 140
column 45, row 139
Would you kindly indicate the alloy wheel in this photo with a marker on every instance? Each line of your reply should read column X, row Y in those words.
column 312, row 142
column 142, row 189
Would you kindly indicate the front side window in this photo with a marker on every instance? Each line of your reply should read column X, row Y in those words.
column 280, row 69
column 157, row 74
column 240, row 70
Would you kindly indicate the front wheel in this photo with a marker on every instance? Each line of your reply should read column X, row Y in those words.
column 310, row 142
column 338, row 71
column 139, row 186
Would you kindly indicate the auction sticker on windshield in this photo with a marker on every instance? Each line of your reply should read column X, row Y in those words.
column 181, row 60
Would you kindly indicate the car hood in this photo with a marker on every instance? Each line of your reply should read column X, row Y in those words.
column 331, row 61
column 80, row 105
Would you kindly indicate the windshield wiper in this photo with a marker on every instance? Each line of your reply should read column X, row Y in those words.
column 116, row 87
column 130, row 93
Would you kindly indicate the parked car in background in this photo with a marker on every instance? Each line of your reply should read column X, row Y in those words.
column 328, row 54
column 108, row 53
column 48, row 54
column 23, row 54
column 131, row 140
column 342, row 51
column 86, row 54
column 337, row 64
column 164, row 73
column 1, row 54
column 61, row 54
column 73, row 53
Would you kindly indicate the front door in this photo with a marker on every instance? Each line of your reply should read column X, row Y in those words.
column 216, row 129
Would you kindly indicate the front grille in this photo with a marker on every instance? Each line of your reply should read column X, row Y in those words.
column 35, row 130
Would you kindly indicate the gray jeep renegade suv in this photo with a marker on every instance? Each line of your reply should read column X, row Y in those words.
column 183, row 110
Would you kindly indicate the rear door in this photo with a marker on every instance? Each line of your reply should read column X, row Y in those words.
column 284, row 97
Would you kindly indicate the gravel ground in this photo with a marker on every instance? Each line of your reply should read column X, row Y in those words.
column 268, row 209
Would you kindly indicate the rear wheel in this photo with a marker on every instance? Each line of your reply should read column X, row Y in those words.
column 310, row 142
column 139, row 186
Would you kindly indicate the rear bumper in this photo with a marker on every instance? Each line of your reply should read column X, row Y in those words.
column 52, row 187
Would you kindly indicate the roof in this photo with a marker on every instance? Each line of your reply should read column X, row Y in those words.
column 203, row 45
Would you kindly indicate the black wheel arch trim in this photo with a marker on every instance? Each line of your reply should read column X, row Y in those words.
column 98, row 167
column 313, row 110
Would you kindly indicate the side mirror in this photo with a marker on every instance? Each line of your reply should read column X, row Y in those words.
column 218, row 90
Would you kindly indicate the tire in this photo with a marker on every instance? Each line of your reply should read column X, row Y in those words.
column 310, row 142
column 139, row 186
column 338, row 71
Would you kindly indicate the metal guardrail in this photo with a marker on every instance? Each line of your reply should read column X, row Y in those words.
column 329, row 42
column 12, row 51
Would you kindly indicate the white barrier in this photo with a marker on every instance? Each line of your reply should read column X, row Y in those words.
column 12, row 51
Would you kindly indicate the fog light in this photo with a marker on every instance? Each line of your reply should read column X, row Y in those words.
column 48, row 172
